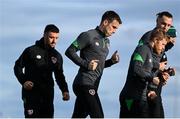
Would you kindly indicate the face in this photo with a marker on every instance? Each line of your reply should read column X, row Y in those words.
column 159, row 46
column 51, row 38
column 165, row 23
column 110, row 27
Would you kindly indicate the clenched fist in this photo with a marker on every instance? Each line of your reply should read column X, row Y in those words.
column 115, row 57
column 93, row 64
column 28, row 85
column 65, row 96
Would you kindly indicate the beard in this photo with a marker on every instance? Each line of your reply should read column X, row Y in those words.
column 52, row 45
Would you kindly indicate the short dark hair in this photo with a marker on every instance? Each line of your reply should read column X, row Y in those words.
column 110, row 16
column 51, row 28
column 164, row 13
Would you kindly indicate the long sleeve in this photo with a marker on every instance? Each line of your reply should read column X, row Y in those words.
column 139, row 69
column 19, row 65
column 154, row 87
column 108, row 63
column 59, row 75
column 142, row 73
column 80, row 43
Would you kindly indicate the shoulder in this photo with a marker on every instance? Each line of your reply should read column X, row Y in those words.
column 147, row 33
column 29, row 49
column 143, row 49
column 86, row 37
column 141, row 53
column 89, row 33
column 57, row 54
column 145, row 38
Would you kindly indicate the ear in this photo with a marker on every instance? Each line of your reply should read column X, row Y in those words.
column 152, row 43
column 155, row 40
column 105, row 22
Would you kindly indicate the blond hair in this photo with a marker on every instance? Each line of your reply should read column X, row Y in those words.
column 158, row 34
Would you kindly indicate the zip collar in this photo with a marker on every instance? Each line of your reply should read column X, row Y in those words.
column 100, row 32
column 41, row 44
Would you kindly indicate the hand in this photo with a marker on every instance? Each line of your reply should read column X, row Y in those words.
column 164, row 83
column 156, row 80
column 28, row 85
column 93, row 64
column 66, row 96
column 152, row 94
column 115, row 57
column 171, row 71
column 165, row 76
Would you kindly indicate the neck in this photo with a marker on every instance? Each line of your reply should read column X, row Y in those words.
column 101, row 28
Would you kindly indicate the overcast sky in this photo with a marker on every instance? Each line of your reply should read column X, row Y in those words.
column 22, row 23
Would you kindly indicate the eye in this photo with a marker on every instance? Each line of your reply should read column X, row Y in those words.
column 51, row 37
column 165, row 24
column 114, row 27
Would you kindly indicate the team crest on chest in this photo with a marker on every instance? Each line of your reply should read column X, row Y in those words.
column 54, row 60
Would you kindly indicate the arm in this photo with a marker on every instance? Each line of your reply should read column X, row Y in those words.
column 60, row 79
column 19, row 65
column 81, row 42
column 138, row 60
column 144, row 39
column 114, row 59
column 170, row 44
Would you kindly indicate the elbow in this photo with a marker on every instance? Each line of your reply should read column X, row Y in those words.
column 67, row 53
column 15, row 69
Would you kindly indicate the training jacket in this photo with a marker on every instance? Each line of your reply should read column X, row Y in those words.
column 93, row 45
column 38, row 63
column 139, row 74
column 145, row 39
column 156, row 59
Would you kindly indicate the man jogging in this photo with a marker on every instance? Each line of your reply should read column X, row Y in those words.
column 34, row 69
column 133, row 97
column 94, row 47
column 164, row 21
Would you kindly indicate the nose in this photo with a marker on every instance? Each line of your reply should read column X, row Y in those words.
column 54, row 40
column 166, row 28
column 114, row 31
column 163, row 48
